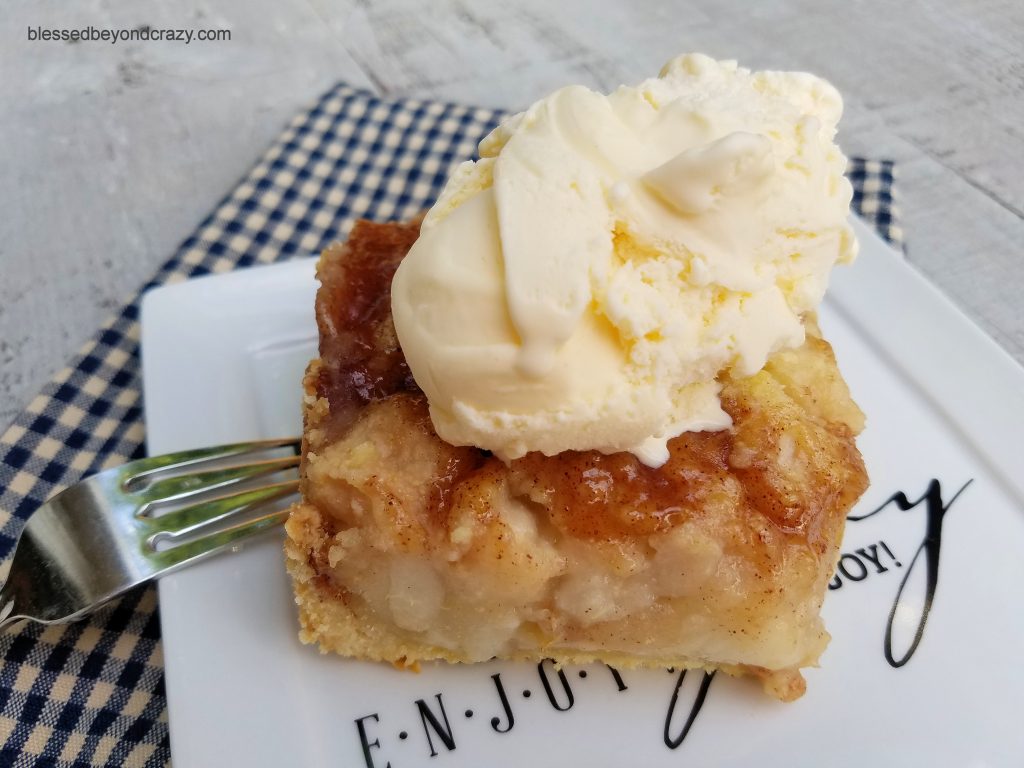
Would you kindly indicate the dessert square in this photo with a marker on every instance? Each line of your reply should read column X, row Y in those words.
column 407, row 549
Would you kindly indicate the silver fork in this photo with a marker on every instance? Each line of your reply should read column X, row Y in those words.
column 125, row 526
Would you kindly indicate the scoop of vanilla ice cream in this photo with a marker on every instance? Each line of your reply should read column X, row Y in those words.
column 584, row 283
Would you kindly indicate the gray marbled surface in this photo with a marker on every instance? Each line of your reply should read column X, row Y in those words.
column 112, row 153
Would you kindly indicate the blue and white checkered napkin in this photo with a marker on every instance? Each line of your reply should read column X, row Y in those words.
column 92, row 693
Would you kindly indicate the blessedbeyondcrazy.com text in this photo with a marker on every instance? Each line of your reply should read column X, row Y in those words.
column 93, row 34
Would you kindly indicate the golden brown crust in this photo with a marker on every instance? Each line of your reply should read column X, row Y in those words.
column 406, row 548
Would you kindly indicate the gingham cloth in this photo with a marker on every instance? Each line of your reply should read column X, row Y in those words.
column 92, row 693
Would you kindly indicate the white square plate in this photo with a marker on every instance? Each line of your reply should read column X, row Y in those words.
column 223, row 357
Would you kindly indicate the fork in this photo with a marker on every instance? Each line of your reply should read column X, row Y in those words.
column 142, row 520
